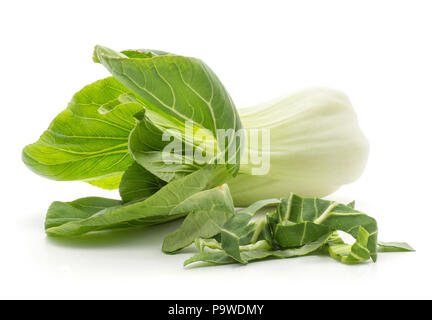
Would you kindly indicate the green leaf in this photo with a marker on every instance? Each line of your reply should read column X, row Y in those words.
column 146, row 145
column 394, row 247
column 158, row 208
column 180, row 89
column 62, row 212
column 208, row 212
column 83, row 144
column 291, row 235
column 138, row 184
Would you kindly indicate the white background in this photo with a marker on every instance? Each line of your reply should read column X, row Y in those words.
column 378, row 52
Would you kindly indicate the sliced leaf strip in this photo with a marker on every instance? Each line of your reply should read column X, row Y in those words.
column 298, row 226
column 394, row 247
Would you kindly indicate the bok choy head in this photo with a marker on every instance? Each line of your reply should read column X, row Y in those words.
column 165, row 132
column 159, row 116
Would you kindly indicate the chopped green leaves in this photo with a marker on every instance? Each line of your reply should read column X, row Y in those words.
column 298, row 226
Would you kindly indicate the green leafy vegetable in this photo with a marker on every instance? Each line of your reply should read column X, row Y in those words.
column 165, row 132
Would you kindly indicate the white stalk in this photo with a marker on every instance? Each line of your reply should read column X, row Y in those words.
column 316, row 145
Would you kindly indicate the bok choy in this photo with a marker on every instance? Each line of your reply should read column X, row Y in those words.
column 165, row 132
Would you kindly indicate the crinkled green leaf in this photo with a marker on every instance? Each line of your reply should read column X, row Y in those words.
column 181, row 89
column 208, row 212
column 83, row 144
